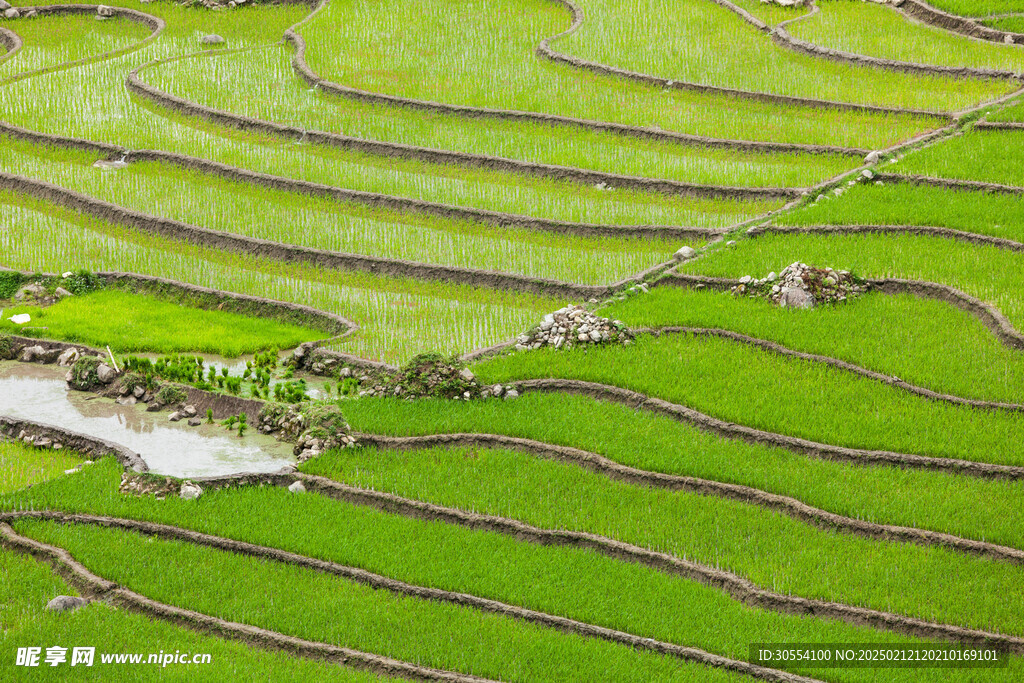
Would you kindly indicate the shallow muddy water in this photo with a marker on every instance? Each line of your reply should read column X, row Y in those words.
column 39, row 393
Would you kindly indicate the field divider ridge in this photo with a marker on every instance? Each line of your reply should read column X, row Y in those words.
column 98, row 588
column 368, row 199
column 927, row 14
column 858, row 229
column 616, row 471
column 730, row 430
column 545, row 51
column 289, row 253
column 949, row 183
column 93, row 446
column 140, row 88
column 379, row 582
column 314, row 80
column 11, row 42
column 988, row 314
column 737, row 587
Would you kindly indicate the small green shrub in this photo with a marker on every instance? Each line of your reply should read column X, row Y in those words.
column 171, row 395
column 83, row 373
column 6, row 347
column 9, row 284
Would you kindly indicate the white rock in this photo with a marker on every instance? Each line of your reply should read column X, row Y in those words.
column 12, row 13
column 212, row 39
column 189, row 491
column 20, row 319
column 511, row 394
column 868, row 173
column 105, row 373
column 65, row 603
column 467, row 375
column 872, row 157
column 684, row 253
column 105, row 11
column 297, row 487
column 745, row 279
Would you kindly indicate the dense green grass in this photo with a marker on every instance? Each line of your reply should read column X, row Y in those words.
column 997, row 215
column 886, row 33
column 574, row 583
column 263, row 85
column 52, row 40
column 1012, row 24
column 320, row 223
column 131, row 323
column 639, row 439
column 103, row 110
column 908, row 337
column 988, row 155
column 683, row 40
column 325, row 608
column 774, row 551
column 398, row 318
column 978, row 8
column 989, row 273
column 750, row 386
column 26, row 585
column 482, row 54
column 22, row 465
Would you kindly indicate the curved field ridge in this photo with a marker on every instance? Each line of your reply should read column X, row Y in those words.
column 744, row 494
column 11, row 43
column 305, row 71
column 10, row 427
column 440, row 156
column 308, row 316
column 545, row 51
column 97, row 588
column 156, row 26
column 948, row 233
column 988, row 314
column 379, row 582
column 782, row 37
column 290, row 253
column 950, row 184
column 831, row 362
column 925, row 13
column 729, row 430
column 737, row 587
column 371, row 199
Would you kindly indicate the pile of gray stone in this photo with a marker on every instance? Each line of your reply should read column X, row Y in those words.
column 573, row 326
column 802, row 286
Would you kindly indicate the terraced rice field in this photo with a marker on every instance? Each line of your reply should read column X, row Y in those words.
column 359, row 226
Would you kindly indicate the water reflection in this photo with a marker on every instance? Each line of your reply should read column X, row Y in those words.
column 38, row 392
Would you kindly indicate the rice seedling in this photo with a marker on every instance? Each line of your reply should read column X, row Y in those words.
column 576, row 583
column 890, row 35
column 761, row 545
column 52, row 40
column 292, row 218
column 22, row 465
column 264, row 86
column 988, row 273
column 398, row 318
column 145, row 323
column 26, row 585
column 984, row 213
column 978, row 8
column 103, row 110
column 683, row 41
column 925, row 342
column 326, row 608
column 756, row 388
column 1011, row 24
column 986, row 155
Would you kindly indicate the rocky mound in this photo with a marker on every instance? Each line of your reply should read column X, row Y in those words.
column 803, row 286
column 573, row 326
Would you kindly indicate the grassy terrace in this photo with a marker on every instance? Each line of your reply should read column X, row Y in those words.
column 325, row 608
column 889, row 35
column 996, row 215
column 989, row 273
column 292, row 218
column 26, row 585
column 926, row 500
column 578, row 584
column 50, row 41
column 398, row 318
column 1012, row 24
column 920, row 328
column 102, row 110
column 979, row 8
column 654, row 36
column 146, row 323
column 988, row 155
column 495, row 45
column 778, row 394
column 263, row 85
column 22, row 465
